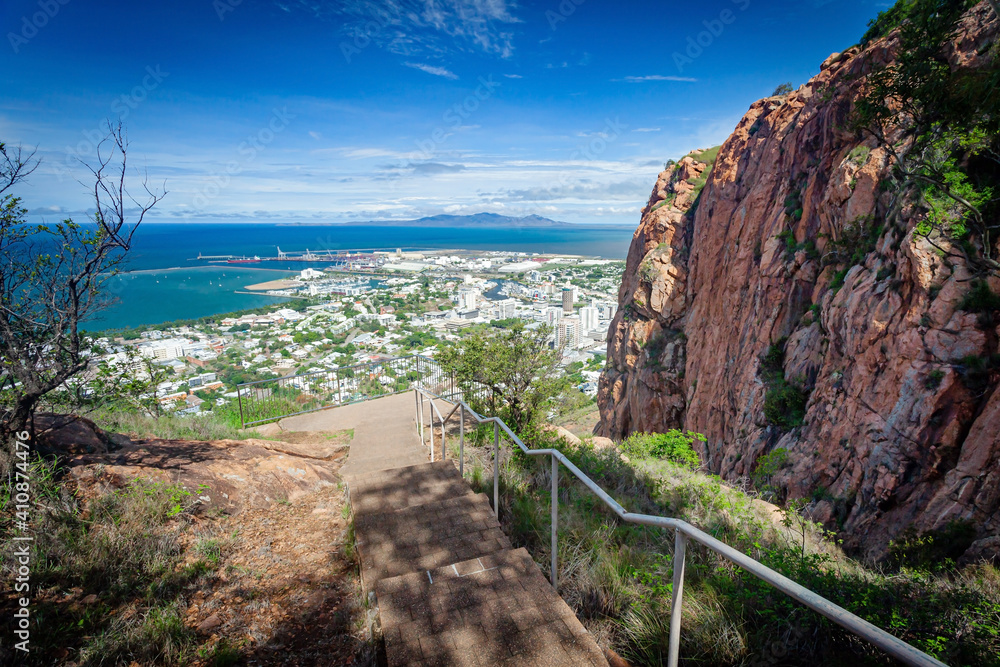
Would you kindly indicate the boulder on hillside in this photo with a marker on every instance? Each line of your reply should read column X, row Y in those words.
column 225, row 474
column 563, row 434
column 74, row 435
column 600, row 442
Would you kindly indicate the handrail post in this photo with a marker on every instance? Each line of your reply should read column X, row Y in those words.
column 496, row 469
column 444, row 453
column 430, row 414
column 239, row 398
column 421, row 411
column 680, row 547
column 554, row 573
column 461, row 440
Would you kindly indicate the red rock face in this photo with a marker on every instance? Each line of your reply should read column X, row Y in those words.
column 893, row 436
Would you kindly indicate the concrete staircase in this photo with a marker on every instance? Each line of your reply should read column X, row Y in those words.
column 450, row 589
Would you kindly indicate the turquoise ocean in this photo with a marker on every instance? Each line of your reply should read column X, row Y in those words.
column 162, row 281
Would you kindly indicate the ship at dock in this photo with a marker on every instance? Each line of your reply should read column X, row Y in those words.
column 244, row 260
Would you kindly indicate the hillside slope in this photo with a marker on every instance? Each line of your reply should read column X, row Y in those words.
column 738, row 321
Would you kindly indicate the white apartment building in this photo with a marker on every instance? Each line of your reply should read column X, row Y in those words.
column 588, row 318
column 551, row 315
column 505, row 308
column 164, row 348
column 568, row 332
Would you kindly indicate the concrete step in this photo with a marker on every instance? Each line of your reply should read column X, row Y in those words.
column 425, row 537
column 497, row 609
column 391, row 490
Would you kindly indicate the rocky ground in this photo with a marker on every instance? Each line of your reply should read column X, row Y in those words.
column 266, row 529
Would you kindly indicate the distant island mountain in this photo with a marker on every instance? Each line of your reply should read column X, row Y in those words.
column 479, row 220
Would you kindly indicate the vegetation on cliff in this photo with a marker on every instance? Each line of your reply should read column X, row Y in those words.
column 940, row 122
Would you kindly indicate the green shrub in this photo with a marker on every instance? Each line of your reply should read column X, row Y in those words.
column 859, row 155
column 783, row 89
column 672, row 446
column 976, row 371
column 785, row 405
column 933, row 380
column 932, row 551
column 125, row 548
column 784, row 401
column 838, row 279
column 707, row 156
column 980, row 298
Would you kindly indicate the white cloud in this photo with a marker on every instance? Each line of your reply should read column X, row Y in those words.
column 646, row 129
column 513, row 76
column 431, row 69
column 657, row 77
column 408, row 27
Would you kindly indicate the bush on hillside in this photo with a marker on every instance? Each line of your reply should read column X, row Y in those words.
column 674, row 446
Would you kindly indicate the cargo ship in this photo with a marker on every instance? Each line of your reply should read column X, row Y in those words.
column 245, row 260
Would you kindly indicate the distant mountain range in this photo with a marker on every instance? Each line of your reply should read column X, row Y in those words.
column 480, row 220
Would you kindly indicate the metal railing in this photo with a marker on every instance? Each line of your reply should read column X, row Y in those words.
column 683, row 531
column 267, row 400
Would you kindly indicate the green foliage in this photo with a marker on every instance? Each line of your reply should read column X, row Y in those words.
column 648, row 271
column 785, row 405
column 511, row 373
column 933, row 379
column 672, row 446
column 976, row 371
column 952, row 119
column 859, row 155
column 784, row 401
column 787, row 239
column 782, row 89
column 222, row 423
column 767, row 466
column 666, row 201
column 980, row 298
column 707, row 156
column 793, row 203
column 125, row 548
column 932, row 551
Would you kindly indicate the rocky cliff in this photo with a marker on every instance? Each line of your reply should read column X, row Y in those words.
column 778, row 310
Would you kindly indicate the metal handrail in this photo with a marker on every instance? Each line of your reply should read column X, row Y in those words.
column 683, row 531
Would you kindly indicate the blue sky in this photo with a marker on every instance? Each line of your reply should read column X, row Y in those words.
column 307, row 110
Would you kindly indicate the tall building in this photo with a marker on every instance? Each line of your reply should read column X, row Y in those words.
column 568, row 332
column 567, row 299
column 552, row 315
column 506, row 308
column 468, row 300
column 588, row 318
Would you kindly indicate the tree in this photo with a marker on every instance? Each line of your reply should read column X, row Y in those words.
column 53, row 277
column 510, row 373
column 940, row 124
column 783, row 89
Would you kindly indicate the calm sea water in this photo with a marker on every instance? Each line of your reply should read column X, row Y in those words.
column 166, row 283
